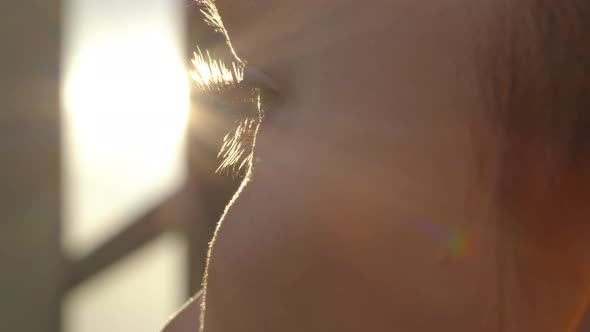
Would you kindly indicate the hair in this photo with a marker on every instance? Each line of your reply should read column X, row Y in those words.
column 540, row 99
column 543, row 64
column 539, row 75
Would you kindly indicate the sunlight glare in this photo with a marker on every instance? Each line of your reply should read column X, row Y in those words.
column 126, row 102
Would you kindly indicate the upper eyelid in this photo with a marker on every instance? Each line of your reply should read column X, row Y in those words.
column 256, row 77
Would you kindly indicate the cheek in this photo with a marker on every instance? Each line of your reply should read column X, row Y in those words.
column 321, row 228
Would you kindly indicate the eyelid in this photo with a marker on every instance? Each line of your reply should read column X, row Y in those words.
column 256, row 77
column 235, row 96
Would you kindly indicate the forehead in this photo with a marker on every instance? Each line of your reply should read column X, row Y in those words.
column 242, row 14
column 284, row 26
column 236, row 13
column 245, row 5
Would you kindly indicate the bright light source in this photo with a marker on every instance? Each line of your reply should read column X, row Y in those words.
column 125, row 111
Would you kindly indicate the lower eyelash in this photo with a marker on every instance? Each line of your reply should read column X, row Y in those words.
column 237, row 151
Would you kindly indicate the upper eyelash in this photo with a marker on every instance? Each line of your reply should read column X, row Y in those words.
column 212, row 74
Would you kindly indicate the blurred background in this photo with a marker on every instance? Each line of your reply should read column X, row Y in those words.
column 108, row 195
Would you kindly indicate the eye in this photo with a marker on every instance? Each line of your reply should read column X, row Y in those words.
column 241, row 90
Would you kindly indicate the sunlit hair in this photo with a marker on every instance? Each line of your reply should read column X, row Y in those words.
column 539, row 51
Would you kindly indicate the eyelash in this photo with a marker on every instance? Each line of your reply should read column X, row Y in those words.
column 237, row 150
column 225, row 88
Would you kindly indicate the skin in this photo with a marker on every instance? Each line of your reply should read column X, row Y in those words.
column 377, row 160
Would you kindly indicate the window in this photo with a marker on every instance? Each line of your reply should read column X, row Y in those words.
column 125, row 107
column 125, row 97
column 139, row 293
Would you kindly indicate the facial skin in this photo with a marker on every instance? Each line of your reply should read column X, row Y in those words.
column 371, row 206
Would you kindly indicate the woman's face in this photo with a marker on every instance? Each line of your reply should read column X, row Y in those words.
column 369, row 206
